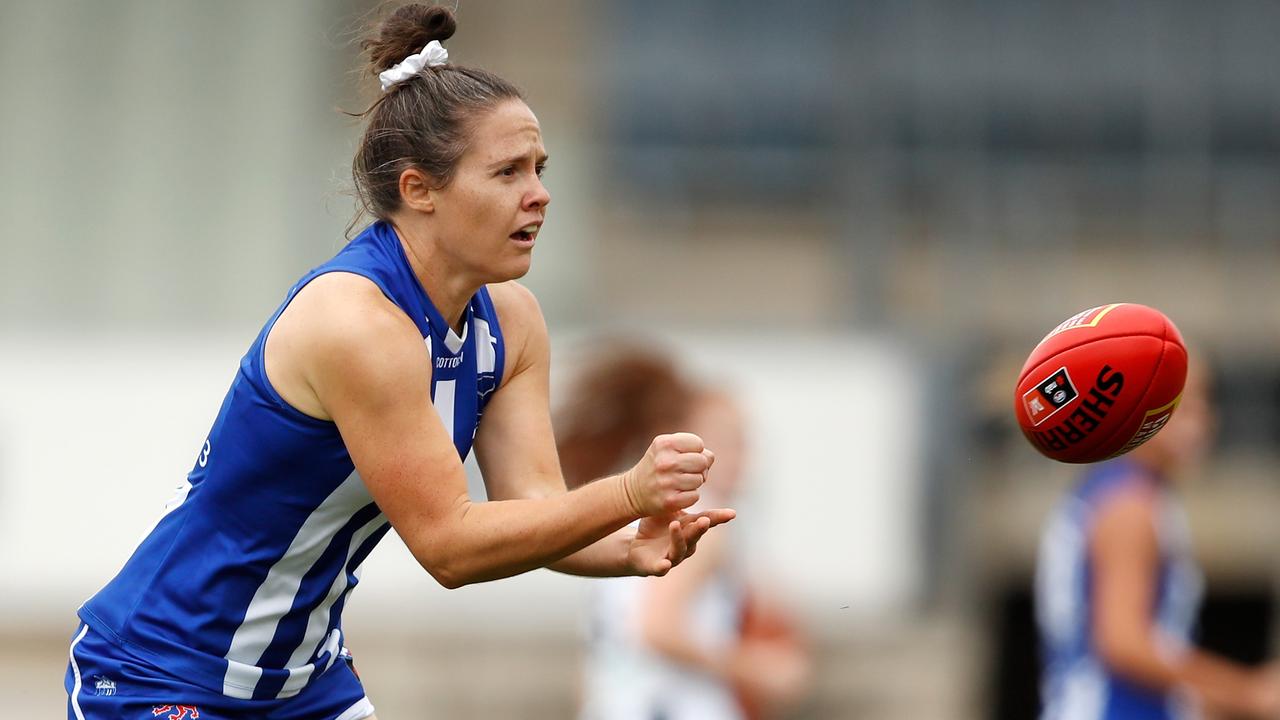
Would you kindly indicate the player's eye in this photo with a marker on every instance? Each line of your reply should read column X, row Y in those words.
column 508, row 171
column 541, row 168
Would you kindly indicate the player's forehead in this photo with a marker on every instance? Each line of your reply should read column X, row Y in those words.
column 508, row 131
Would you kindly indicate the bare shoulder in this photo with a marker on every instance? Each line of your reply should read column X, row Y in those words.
column 523, row 327
column 516, row 304
column 339, row 311
column 348, row 303
column 1129, row 502
column 1126, row 518
column 340, row 329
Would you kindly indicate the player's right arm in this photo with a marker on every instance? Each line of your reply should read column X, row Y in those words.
column 1125, row 554
column 342, row 351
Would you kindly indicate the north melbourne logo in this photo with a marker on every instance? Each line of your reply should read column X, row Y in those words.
column 176, row 712
column 103, row 685
column 1049, row 396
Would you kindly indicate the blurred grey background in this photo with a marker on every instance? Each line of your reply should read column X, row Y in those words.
column 862, row 213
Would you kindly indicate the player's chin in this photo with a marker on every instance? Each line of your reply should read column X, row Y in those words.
column 521, row 269
column 513, row 267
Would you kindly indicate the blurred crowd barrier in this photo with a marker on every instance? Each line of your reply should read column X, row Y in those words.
column 93, row 449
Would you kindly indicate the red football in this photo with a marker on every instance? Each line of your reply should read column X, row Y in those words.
column 1101, row 383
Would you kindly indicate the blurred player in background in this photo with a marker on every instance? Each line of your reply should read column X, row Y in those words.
column 702, row 642
column 352, row 412
column 1118, row 592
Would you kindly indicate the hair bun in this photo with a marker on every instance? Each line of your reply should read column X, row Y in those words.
column 406, row 32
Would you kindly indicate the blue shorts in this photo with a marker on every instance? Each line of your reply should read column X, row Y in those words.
column 103, row 682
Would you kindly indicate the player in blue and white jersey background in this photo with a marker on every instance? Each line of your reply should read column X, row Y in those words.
column 1118, row 592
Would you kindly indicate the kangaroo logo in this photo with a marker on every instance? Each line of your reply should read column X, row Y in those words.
column 177, row 712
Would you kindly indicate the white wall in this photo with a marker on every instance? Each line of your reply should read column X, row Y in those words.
column 95, row 431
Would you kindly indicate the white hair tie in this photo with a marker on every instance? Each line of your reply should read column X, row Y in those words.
column 432, row 55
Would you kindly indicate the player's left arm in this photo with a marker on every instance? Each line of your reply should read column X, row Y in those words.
column 515, row 448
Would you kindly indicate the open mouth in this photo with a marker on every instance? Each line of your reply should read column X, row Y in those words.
column 525, row 234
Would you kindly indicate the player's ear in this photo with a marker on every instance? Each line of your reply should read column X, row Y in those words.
column 416, row 190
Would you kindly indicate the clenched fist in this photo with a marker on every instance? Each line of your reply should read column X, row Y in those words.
column 667, row 478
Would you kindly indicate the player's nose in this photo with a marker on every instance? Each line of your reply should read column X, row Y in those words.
column 537, row 198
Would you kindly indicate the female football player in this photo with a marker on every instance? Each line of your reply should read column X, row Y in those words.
column 351, row 414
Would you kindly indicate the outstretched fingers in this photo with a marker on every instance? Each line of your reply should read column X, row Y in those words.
column 679, row 546
column 717, row 516
column 693, row 532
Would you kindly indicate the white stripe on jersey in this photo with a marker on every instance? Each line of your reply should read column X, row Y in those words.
column 318, row 620
column 452, row 340
column 1060, row 569
column 300, row 674
column 445, row 392
column 276, row 594
column 1185, row 579
column 362, row 709
column 1084, row 693
column 486, row 347
column 75, row 670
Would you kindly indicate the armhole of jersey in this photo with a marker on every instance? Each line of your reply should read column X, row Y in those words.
column 260, row 362
column 1130, row 481
column 495, row 329
column 1097, row 504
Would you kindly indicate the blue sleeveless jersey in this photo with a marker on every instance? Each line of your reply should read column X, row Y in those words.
column 240, row 585
column 1076, row 683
